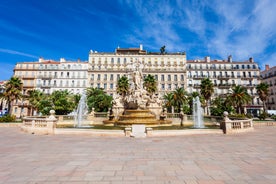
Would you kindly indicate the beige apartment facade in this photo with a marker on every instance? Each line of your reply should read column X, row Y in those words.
column 269, row 77
column 225, row 74
column 106, row 68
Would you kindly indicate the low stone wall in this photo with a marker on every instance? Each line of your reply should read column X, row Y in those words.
column 39, row 125
column 236, row 126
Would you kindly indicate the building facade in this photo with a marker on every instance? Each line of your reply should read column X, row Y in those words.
column 106, row 68
column 269, row 77
column 225, row 74
column 171, row 70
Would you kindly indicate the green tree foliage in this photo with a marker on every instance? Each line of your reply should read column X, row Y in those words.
column 219, row 105
column 35, row 97
column 163, row 49
column 98, row 99
column 13, row 91
column 206, row 90
column 180, row 98
column 168, row 101
column 238, row 97
column 63, row 102
column 176, row 99
column 150, row 84
column 123, row 86
column 262, row 90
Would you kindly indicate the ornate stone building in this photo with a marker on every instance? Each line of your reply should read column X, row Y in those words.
column 269, row 77
column 106, row 68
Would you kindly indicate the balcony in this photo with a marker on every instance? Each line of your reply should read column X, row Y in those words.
column 28, row 77
column 196, row 85
column 199, row 77
column 224, row 77
column 224, row 86
column 22, row 104
column 45, row 76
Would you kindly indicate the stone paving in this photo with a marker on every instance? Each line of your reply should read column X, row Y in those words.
column 194, row 159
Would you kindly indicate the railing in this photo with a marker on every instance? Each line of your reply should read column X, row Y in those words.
column 39, row 125
column 235, row 126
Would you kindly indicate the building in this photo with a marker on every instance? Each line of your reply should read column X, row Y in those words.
column 224, row 74
column 171, row 70
column 49, row 76
column 269, row 77
column 106, row 68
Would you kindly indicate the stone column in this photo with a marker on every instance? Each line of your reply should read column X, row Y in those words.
column 51, row 122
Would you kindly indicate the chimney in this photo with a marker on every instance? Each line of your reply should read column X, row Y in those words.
column 230, row 59
column 207, row 59
column 251, row 60
column 141, row 47
column 266, row 67
column 40, row 60
column 62, row 60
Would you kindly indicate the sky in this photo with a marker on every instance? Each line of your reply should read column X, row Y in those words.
column 69, row 29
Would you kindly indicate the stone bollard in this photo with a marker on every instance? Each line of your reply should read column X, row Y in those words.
column 51, row 122
column 149, row 131
column 127, row 131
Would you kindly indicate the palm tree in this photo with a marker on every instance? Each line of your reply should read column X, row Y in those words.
column 168, row 101
column 238, row 97
column 262, row 90
column 179, row 97
column 35, row 96
column 163, row 49
column 206, row 90
column 13, row 91
column 123, row 86
column 150, row 84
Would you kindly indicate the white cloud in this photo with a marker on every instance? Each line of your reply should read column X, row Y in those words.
column 14, row 52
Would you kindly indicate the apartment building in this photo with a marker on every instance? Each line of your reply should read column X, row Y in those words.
column 224, row 74
column 49, row 76
column 269, row 77
column 106, row 68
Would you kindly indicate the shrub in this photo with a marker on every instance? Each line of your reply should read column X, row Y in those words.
column 273, row 117
column 263, row 116
column 237, row 116
column 7, row 118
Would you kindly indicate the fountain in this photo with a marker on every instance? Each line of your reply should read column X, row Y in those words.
column 197, row 113
column 81, row 111
column 138, row 106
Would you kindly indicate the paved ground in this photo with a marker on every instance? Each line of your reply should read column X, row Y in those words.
column 198, row 159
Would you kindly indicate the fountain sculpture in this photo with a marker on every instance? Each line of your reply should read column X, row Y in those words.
column 81, row 111
column 197, row 113
column 138, row 106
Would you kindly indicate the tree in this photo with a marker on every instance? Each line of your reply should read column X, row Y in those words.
column 206, row 90
column 150, row 84
column 13, row 91
column 63, row 102
column 35, row 97
column 180, row 98
column 123, row 86
column 163, row 49
column 238, row 97
column 262, row 90
column 219, row 105
column 168, row 101
column 98, row 99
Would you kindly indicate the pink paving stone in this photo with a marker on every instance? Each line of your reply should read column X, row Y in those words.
column 76, row 159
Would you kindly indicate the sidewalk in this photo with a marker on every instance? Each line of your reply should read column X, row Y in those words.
column 192, row 159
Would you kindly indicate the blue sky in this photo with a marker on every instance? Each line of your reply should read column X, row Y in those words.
column 52, row 29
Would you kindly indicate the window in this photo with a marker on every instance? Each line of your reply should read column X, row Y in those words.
column 104, row 85
column 169, row 86
column 111, row 77
column 175, row 77
column 105, row 76
column 111, row 86
column 99, row 77
column 92, row 76
column 98, row 85
column 163, row 86
column 156, row 77
column 162, row 78
column 169, row 77
column 182, row 77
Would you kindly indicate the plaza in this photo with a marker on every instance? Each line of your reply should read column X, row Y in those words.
column 85, row 159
